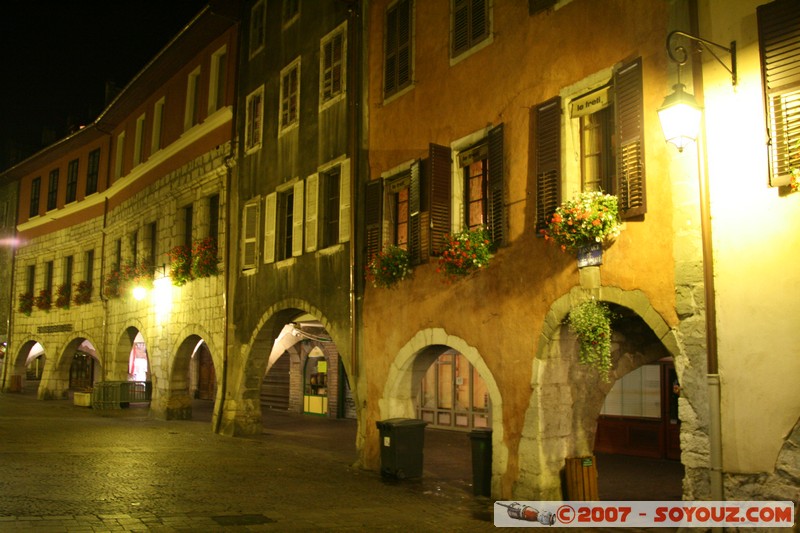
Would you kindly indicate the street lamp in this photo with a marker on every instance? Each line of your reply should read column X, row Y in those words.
column 680, row 114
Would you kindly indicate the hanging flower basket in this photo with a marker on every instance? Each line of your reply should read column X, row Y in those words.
column 465, row 252
column 83, row 293
column 591, row 218
column 388, row 267
column 25, row 303
column 44, row 300
column 204, row 258
column 63, row 296
column 180, row 265
column 591, row 323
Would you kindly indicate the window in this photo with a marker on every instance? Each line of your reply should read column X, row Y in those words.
column 48, row 277
column 31, row 279
column 250, row 216
column 192, row 116
column 188, row 215
column 290, row 95
column 68, row 263
column 470, row 24
column 397, row 48
column 213, row 217
column 474, row 166
column 779, row 45
column 255, row 112
column 52, row 190
column 151, row 244
column 453, row 394
column 331, row 198
column 609, row 119
column 138, row 141
column 118, row 255
column 89, row 267
column 286, row 215
column 72, row 181
column 134, row 240
column 399, row 196
column 36, row 186
column 290, row 12
column 119, row 154
column 216, row 88
column 158, row 125
column 257, row 32
column 283, row 223
column 92, row 171
column 332, row 64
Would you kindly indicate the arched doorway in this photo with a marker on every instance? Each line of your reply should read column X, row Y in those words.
column 26, row 370
column 443, row 379
column 84, row 369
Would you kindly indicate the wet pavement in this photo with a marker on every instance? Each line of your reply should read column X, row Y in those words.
column 69, row 468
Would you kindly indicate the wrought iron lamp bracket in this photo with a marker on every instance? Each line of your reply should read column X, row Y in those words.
column 679, row 55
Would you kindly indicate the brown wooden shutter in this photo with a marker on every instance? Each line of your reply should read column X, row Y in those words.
column 779, row 45
column 440, row 195
column 496, row 205
column 373, row 217
column 470, row 24
column 547, row 119
column 414, row 226
column 630, row 184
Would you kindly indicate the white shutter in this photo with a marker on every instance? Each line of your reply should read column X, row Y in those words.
column 312, row 212
column 297, row 220
column 250, row 236
column 269, row 227
column 344, row 202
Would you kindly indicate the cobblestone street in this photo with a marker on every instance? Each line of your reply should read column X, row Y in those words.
column 66, row 468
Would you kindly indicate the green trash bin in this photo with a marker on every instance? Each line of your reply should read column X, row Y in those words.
column 402, row 440
column 481, row 439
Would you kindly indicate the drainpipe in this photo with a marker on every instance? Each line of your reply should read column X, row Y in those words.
column 712, row 372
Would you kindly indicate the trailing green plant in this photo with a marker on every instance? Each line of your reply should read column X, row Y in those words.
column 44, row 300
column 591, row 323
column 25, row 303
column 83, row 293
column 204, row 258
column 590, row 217
column 388, row 267
column 180, row 264
column 63, row 295
column 465, row 252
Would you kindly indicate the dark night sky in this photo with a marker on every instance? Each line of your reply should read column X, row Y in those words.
column 58, row 54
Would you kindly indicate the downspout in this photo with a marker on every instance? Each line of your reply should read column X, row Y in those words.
column 230, row 164
column 712, row 372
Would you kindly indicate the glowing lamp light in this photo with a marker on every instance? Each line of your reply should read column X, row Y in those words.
column 139, row 293
column 680, row 117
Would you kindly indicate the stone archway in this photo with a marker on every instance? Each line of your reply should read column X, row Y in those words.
column 566, row 399
column 408, row 369
column 15, row 366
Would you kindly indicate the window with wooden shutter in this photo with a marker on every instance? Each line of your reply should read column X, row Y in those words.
column 779, row 46
column 397, row 48
column 297, row 219
column 630, row 187
column 250, row 235
column 373, row 217
column 496, row 206
column 344, row 201
column 470, row 24
column 414, row 219
column 440, row 195
column 547, row 120
column 270, row 213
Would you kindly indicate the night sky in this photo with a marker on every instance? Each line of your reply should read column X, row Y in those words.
column 57, row 56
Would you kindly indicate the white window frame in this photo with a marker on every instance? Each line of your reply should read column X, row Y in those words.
column 285, row 127
column 342, row 66
column 138, row 141
column 118, row 156
column 254, row 122
column 257, row 20
column 192, row 99
column 217, row 75
column 158, row 125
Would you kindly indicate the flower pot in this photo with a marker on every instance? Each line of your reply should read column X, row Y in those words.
column 591, row 255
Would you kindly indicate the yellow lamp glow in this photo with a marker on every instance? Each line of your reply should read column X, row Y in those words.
column 680, row 117
column 139, row 293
